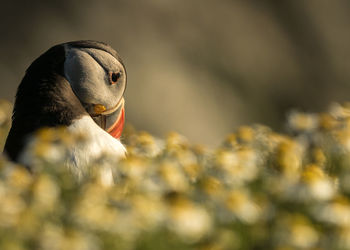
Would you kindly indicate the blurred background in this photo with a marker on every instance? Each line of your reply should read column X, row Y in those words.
column 201, row 68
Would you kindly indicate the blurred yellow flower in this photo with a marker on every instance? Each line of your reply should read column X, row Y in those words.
column 258, row 189
column 243, row 207
column 188, row 220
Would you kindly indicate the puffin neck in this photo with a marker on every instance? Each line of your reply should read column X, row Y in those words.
column 44, row 92
column 44, row 99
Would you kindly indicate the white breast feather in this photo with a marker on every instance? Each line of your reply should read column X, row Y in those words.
column 98, row 144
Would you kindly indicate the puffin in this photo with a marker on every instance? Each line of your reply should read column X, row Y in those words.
column 78, row 85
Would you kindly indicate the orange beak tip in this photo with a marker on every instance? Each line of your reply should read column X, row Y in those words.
column 117, row 128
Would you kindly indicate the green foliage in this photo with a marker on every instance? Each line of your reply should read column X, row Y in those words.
column 258, row 190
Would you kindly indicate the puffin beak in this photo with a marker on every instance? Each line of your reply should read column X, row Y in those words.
column 117, row 128
column 111, row 120
column 99, row 109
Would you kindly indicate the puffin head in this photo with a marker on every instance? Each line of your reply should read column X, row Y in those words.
column 71, row 82
column 97, row 76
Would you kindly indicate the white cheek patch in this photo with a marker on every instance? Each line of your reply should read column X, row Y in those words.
column 87, row 78
column 105, row 59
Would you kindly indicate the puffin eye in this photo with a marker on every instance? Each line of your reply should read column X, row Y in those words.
column 114, row 77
